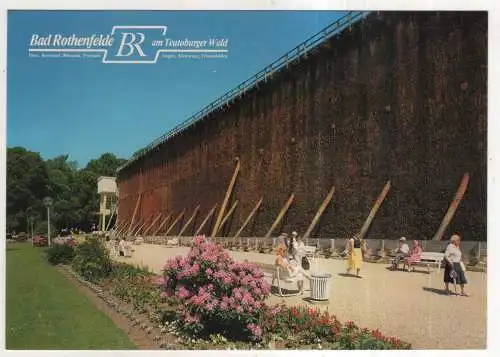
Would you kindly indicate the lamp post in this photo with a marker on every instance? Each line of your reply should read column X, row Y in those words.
column 32, row 221
column 28, row 220
column 47, row 201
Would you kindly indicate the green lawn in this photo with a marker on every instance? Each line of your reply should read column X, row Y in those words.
column 46, row 311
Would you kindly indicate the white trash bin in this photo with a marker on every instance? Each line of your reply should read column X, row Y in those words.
column 320, row 286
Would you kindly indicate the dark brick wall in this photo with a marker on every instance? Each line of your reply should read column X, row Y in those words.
column 399, row 96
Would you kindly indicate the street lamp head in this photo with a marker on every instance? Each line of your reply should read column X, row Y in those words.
column 47, row 201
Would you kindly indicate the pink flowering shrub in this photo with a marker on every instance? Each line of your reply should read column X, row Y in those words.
column 215, row 294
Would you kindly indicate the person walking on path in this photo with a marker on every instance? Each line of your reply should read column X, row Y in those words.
column 297, row 247
column 299, row 253
column 454, row 268
column 354, row 256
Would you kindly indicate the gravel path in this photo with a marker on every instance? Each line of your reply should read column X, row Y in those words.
column 410, row 306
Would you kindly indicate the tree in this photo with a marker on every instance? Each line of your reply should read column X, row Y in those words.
column 105, row 165
column 27, row 184
column 30, row 179
column 62, row 177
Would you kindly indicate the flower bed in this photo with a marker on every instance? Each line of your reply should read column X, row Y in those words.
column 39, row 241
column 213, row 295
column 302, row 327
column 134, row 286
column 208, row 301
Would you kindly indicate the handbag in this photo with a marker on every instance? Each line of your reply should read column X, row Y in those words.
column 305, row 263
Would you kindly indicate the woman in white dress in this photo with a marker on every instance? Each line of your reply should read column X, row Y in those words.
column 293, row 271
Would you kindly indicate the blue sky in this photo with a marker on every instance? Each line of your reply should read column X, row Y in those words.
column 83, row 107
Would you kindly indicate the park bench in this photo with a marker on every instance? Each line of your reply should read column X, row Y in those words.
column 429, row 259
column 138, row 241
column 114, row 248
column 173, row 242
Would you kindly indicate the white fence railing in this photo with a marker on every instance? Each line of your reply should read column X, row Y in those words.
column 470, row 249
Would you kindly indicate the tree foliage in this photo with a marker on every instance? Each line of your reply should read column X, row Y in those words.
column 74, row 191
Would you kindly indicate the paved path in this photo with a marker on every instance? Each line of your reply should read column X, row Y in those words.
column 407, row 305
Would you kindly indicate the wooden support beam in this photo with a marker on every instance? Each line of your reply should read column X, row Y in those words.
column 141, row 227
column 374, row 209
column 132, row 221
column 257, row 206
column 127, row 233
column 162, row 224
column 174, row 223
column 131, row 233
column 281, row 215
column 113, row 227
column 205, row 220
column 229, row 213
column 453, row 207
column 117, row 221
column 118, row 231
column 226, row 199
column 321, row 209
column 123, row 228
column 189, row 220
column 136, row 228
column 152, row 224
column 111, row 218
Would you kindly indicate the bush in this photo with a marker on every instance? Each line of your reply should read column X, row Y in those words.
column 92, row 260
column 213, row 293
column 61, row 253
column 39, row 241
column 123, row 271
column 134, row 285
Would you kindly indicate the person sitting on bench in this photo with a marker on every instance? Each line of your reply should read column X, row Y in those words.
column 401, row 252
column 294, row 271
column 414, row 257
column 124, row 249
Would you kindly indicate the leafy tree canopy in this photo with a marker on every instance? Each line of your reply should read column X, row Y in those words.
column 74, row 191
